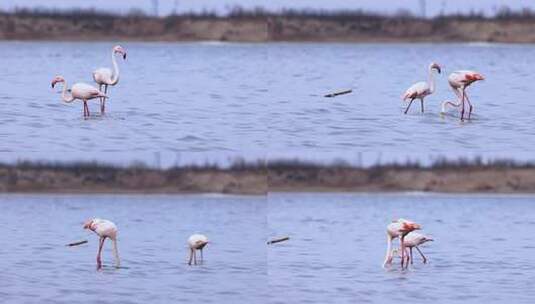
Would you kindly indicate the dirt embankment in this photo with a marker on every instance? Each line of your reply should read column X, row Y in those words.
column 265, row 28
column 259, row 180
column 103, row 179
column 491, row 180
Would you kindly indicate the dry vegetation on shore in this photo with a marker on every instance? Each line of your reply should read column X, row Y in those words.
column 264, row 26
column 463, row 176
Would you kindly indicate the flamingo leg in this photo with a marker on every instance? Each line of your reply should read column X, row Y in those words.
column 103, row 106
column 407, row 257
column 410, row 250
column 194, row 257
column 202, row 258
column 469, row 105
column 190, row 256
column 422, row 104
column 407, row 109
column 462, row 102
column 402, row 250
column 101, row 99
column 86, row 109
column 423, row 256
column 99, row 253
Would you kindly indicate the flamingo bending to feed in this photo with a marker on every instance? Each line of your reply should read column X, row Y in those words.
column 79, row 90
column 104, row 229
column 399, row 228
column 413, row 240
column 422, row 89
column 196, row 242
column 106, row 76
column 459, row 81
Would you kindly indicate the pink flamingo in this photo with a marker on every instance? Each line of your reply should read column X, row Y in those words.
column 104, row 229
column 196, row 242
column 413, row 240
column 422, row 89
column 80, row 91
column 106, row 76
column 399, row 228
column 459, row 81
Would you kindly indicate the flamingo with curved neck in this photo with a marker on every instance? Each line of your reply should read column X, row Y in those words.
column 422, row 89
column 196, row 242
column 398, row 229
column 79, row 90
column 104, row 229
column 106, row 77
column 459, row 81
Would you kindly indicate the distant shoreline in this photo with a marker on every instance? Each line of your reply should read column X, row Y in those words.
column 260, row 178
column 349, row 27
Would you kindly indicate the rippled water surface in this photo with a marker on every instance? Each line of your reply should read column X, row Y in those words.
column 38, row 268
column 258, row 99
column 483, row 249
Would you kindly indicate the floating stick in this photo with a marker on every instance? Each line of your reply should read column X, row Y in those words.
column 338, row 93
column 77, row 243
column 282, row 239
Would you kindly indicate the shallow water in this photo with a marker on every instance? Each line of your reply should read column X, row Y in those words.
column 266, row 100
column 482, row 253
column 38, row 268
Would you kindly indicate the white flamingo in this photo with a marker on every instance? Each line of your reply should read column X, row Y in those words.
column 422, row 89
column 79, row 90
column 459, row 81
column 104, row 229
column 398, row 228
column 413, row 240
column 106, row 76
column 196, row 242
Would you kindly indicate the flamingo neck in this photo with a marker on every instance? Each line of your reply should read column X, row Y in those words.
column 116, row 253
column 115, row 77
column 431, row 81
column 388, row 249
column 444, row 106
column 64, row 95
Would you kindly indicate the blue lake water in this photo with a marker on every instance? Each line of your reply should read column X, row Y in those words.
column 264, row 100
column 482, row 253
column 37, row 267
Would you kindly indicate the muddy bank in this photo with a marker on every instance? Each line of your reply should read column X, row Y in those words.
column 260, row 179
column 93, row 178
column 261, row 26
column 484, row 180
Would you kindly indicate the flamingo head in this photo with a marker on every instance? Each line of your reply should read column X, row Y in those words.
column 119, row 50
column 408, row 226
column 427, row 239
column 478, row 76
column 56, row 80
column 89, row 224
column 435, row 66
column 473, row 77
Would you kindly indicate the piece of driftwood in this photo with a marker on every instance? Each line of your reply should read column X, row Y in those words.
column 282, row 239
column 77, row 243
column 338, row 93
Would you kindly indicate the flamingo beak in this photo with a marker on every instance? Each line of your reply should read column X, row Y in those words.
column 124, row 56
column 52, row 84
column 439, row 70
